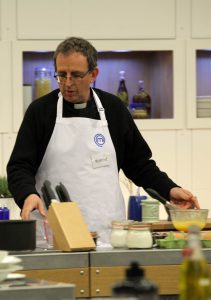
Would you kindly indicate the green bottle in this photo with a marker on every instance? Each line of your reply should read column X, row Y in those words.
column 122, row 92
column 194, row 281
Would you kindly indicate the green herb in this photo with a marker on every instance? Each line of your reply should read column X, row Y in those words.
column 4, row 190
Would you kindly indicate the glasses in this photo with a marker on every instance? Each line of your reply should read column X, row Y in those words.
column 62, row 77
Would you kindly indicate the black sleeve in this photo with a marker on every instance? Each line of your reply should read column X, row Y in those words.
column 31, row 142
column 134, row 156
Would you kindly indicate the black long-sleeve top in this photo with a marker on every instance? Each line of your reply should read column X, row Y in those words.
column 132, row 152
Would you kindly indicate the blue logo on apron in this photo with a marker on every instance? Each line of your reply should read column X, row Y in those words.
column 99, row 139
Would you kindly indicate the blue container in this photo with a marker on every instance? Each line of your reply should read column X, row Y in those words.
column 1, row 213
column 6, row 213
column 134, row 207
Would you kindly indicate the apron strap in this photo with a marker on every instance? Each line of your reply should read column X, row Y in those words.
column 98, row 104
column 100, row 108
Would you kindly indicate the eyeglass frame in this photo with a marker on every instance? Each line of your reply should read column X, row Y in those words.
column 79, row 76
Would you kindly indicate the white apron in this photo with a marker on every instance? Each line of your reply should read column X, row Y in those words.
column 81, row 155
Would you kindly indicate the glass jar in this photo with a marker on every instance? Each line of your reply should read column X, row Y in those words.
column 42, row 82
column 139, row 236
column 118, row 236
column 150, row 210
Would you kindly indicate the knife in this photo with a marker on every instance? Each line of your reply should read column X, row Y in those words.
column 48, row 193
column 62, row 193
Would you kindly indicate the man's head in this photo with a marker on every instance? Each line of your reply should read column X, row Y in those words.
column 75, row 61
column 75, row 44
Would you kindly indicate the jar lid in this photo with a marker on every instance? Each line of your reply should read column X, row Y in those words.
column 150, row 201
column 119, row 224
column 139, row 225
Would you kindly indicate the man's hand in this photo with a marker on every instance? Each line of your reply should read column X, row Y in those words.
column 183, row 198
column 32, row 202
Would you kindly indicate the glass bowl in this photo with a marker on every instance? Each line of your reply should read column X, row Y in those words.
column 182, row 219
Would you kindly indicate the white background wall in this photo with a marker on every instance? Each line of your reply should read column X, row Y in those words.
column 182, row 151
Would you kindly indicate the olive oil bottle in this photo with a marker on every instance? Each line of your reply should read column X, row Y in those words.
column 122, row 92
column 194, row 282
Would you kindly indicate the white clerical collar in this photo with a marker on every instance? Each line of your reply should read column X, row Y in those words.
column 80, row 105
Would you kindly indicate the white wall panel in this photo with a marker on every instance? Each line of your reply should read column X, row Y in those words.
column 95, row 19
column 163, row 145
column 123, row 19
column 5, row 86
column 201, row 18
column 201, row 159
column 1, row 155
column 8, row 141
column 184, row 166
column 0, row 19
column 43, row 19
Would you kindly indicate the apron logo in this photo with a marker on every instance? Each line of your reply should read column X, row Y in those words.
column 99, row 139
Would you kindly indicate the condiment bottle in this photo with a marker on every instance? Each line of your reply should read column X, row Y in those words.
column 135, row 285
column 42, row 82
column 118, row 236
column 194, row 281
column 141, row 103
column 122, row 92
column 139, row 236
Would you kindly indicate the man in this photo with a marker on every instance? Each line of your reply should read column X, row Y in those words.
column 82, row 137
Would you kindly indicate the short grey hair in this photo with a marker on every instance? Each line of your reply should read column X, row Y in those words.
column 76, row 44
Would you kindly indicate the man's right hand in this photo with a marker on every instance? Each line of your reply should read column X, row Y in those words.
column 32, row 202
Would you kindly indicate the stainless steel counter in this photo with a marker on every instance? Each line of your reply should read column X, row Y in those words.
column 53, row 259
column 94, row 272
column 149, row 257
column 36, row 289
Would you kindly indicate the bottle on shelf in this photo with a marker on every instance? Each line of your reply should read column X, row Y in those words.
column 141, row 103
column 42, row 82
column 122, row 92
column 194, row 281
column 135, row 285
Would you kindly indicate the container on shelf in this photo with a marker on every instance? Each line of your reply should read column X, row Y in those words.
column 122, row 92
column 140, row 106
column 42, row 82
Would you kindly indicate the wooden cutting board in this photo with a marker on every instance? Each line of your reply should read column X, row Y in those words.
column 164, row 225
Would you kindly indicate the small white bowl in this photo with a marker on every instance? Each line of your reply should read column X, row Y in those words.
column 3, row 254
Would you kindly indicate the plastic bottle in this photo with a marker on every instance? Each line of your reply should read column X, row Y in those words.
column 135, row 285
column 194, row 281
column 141, row 103
column 122, row 92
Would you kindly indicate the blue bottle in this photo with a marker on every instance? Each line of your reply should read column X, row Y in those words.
column 6, row 213
column 134, row 207
column 1, row 213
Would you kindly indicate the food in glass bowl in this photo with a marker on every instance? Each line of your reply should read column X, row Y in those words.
column 182, row 219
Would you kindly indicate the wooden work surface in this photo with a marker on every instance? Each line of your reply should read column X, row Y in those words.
column 164, row 225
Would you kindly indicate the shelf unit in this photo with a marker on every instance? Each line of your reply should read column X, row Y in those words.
column 158, row 64
column 198, row 81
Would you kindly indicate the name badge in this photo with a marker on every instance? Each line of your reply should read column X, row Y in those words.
column 100, row 160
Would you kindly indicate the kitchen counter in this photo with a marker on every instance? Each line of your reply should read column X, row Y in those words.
column 36, row 289
column 95, row 272
column 57, row 266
